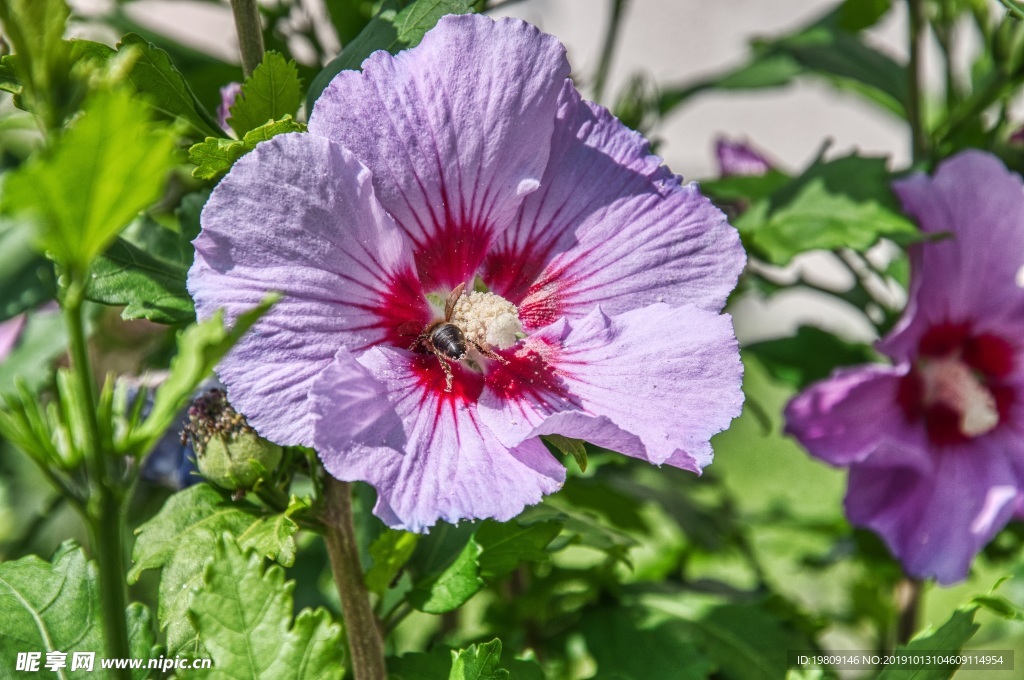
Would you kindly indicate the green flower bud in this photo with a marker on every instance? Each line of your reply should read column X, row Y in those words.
column 229, row 453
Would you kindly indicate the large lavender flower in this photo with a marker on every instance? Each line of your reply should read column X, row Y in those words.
column 934, row 443
column 471, row 159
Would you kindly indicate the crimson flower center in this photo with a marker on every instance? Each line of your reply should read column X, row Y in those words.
column 955, row 386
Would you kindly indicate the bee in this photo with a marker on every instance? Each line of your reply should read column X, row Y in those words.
column 446, row 340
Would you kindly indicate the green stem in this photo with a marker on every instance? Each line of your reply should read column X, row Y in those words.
column 366, row 646
column 915, row 116
column 610, row 38
column 250, row 34
column 104, row 507
column 908, row 603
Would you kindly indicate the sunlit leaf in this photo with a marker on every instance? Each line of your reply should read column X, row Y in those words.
column 244, row 616
column 181, row 539
column 269, row 94
column 111, row 164
column 149, row 288
column 215, row 156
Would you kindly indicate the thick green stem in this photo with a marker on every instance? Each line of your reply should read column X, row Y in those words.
column 365, row 643
column 915, row 115
column 104, row 506
column 250, row 34
column 610, row 37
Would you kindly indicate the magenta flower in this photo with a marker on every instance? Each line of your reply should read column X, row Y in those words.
column 595, row 280
column 933, row 443
column 739, row 158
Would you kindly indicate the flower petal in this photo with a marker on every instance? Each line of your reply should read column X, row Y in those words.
column 298, row 216
column 456, row 132
column 655, row 383
column 424, row 450
column 936, row 520
column 842, row 419
column 972, row 275
column 611, row 226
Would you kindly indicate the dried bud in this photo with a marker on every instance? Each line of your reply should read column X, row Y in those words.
column 229, row 453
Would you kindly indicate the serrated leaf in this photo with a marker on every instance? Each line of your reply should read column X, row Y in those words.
column 505, row 545
column 182, row 537
column 389, row 30
column 109, row 165
column 55, row 607
column 270, row 93
column 148, row 288
column 847, row 202
column 244, row 616
column 453, row 586
column 478, row 662
column 389, row 552
column 200, row 347
column 568, row 446
column 165, row 89
column 215, row 156
column 810, row 355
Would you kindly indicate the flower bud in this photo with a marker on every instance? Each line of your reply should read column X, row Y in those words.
column 229, row 453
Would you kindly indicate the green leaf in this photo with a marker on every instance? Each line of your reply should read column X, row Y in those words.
column 270, row 93
column 55, row 607
column 856, row 15
column 390, row 552
column 505, row 545
column 26, row 277
column 433, row 665
column 164, row 88
column 181, row 539
column 628, row 646
column 849, row 64
column 810, row 355
column 111, row 164
column 41, row 68
column 478, row 662
column 947, row 639
column 43, row 340
column 148, row 288
column 568, row 446
column 244, row 616
column 389, row 30
column 452, row 587
column 842, row 203
column 215, row 156
column 828, row 47
column 200, row 347
column 49, row 607
column 744, row 187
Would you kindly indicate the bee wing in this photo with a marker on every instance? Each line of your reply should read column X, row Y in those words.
column 449, row 305
column 410, row 328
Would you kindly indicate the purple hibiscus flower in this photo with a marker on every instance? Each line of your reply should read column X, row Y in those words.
column 739, row 159
column 594, row 281
column 933, row 443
